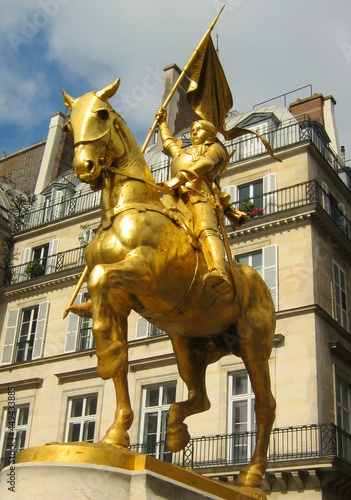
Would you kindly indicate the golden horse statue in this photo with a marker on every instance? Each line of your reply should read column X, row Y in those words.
column 140, row 259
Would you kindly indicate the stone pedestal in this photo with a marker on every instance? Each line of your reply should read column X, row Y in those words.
column 81, row 472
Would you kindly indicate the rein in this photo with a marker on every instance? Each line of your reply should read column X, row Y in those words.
column 160, row 188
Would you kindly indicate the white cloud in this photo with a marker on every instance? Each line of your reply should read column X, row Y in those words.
column 267, row 48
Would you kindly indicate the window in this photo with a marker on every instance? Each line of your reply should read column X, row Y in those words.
column 251, row 192
column 156, row 401
column 340, row 296
column 38, row 261
column 265, row 262
column 343, row 415
column 260, row 193
column 241, row 418
column 85, row 334
column 79, row 335
column 251, row 145
column 334, row 208
column 53, row 205
column 145, row 329
column 25, row 333
column 252, row 259
column 81, row 418
column 86, row 338
column 13, row 433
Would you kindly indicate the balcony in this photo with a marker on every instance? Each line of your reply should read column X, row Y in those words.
column 35, row 269
column 288, row 444
column 301, row 195
column 50, row 212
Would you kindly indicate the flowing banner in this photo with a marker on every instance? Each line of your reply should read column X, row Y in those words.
column 209, row 94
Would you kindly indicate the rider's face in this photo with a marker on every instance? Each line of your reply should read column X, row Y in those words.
column 198, row 134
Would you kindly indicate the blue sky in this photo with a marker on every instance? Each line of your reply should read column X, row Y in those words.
column 267, row 48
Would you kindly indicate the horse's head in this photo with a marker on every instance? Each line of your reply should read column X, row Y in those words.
column 94, row 125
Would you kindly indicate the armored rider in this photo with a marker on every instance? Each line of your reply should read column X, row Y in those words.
column 196, row 171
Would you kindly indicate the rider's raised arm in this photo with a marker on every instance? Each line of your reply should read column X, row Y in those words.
column 170, row 145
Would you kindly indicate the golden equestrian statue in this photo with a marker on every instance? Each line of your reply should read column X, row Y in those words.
column 144, row 258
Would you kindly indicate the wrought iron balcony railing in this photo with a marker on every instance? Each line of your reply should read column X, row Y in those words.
column 299, row 443
column 297, row 196
column 291, row 133
column 49, row 212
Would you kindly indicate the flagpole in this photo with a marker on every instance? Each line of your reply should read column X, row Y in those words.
column 179, row 80
column 151, row 132
column 220, row 217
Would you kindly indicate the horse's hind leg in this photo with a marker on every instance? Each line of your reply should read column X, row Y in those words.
column 255, row 351
column 192, row 362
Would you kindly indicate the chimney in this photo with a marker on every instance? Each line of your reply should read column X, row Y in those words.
column 311, row 107
column 50, row 152
column 179, row 113
column 318, row 109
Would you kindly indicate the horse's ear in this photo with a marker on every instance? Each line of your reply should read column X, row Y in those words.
column 109, row 91
column 68, row 100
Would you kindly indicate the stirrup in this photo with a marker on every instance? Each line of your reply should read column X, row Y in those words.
column 219, row 281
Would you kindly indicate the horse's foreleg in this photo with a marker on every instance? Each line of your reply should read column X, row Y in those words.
column 192, row 362
column 110, row 333
column 117, row 433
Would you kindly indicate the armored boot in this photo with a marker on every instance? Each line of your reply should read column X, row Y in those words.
column 214, row 254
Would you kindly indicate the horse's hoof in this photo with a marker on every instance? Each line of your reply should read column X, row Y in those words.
column 177, row 438
column 248, row 478
column 116, row 438
column 84, row 310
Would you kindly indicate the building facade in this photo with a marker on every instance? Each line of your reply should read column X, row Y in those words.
column 298, row 238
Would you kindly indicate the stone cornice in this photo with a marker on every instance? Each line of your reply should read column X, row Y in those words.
column 272, row 223
column 43, row 283
column 77, row 375
column 30, row 383
column 60, row 358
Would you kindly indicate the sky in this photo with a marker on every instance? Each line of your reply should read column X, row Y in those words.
column 267, row 48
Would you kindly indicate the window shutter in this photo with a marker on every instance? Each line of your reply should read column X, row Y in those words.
column 52, row 257
column 142, row 327
column 325, row 197
column 40, row 331
column 232, row 189
column 73, row 328
column 270, row 200
column 36, row 215
column 270, row 271
column 10, row 337
column 25, row 258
